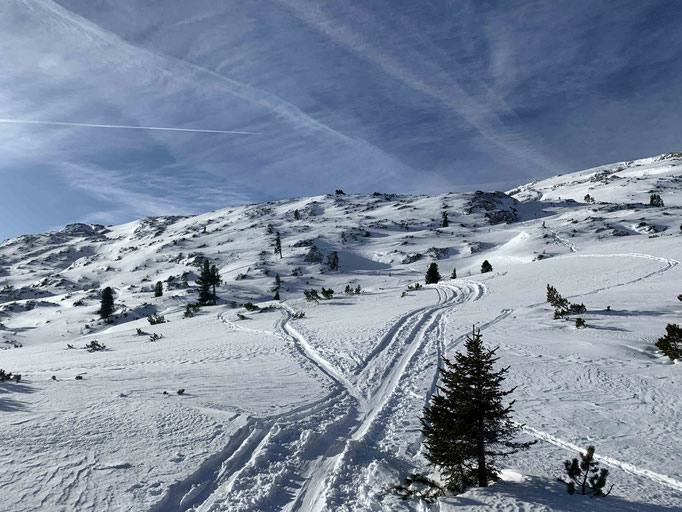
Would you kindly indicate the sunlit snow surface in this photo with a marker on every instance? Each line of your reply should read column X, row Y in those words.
column 322, row 413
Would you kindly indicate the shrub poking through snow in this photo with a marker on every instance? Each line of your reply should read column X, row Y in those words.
column 298, row 314
column 311, row 295
column 190, row 310
column 242, row 317
column 655, row 200
column 327, row 293
column 671, row 343
column 454, row 274
column 181, row 391
column 155, row 337
column 95, row 346
column 466, row 425
column 419, row 486
column 486, row 267
column 250, row 306
column 414, row 287
column 580, row 323
column 4, row 375
column 432, row 275
column 585, row 477
column 156, row 319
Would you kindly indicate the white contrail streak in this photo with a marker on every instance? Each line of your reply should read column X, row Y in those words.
column 123, row 127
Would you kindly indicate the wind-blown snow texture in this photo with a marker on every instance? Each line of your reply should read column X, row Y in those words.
column 322, row 412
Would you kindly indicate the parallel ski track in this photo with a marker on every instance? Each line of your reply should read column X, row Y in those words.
column 218, row 474
column 212, row 482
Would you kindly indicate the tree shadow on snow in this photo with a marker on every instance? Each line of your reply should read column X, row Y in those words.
column 625, row 312
column 9, row 403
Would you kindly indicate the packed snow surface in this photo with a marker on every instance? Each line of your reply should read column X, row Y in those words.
column 321, row 412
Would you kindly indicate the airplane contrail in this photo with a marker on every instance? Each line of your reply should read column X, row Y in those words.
column 123, row 127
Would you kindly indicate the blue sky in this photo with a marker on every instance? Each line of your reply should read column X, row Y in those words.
column 378, row 95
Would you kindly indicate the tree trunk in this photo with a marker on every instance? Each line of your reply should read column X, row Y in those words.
column 480, row 452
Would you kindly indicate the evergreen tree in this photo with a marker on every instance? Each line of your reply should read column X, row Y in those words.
column 655, row 200
column 445, row 219
column 107, row 303
column 454, row 273
column 585, row 476
column 432, row 275
column 333, row 261
column 158, row 289
column 276, row 297
column 555, row 299
column 671, row 343
column 278, row 282
column 466, row 425
column 278, row 245
column 216, row 280
column 297, row 215
column 205, row 281
column 486, row 267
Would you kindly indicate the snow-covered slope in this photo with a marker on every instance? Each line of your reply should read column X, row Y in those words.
column 322, row 412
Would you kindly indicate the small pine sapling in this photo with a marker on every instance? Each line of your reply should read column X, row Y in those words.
column 580, row 323
column 419, row 486
column 486, row 267
column 327, row 293
column 585, row 476
column 158, row 289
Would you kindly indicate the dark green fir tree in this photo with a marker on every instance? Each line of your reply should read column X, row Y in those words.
column 158, row 289
column 432, row 275
column 278, row 245
column 107, row 303
column 486, row 267
column 467, row 426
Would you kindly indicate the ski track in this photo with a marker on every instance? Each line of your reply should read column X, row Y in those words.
column 214, row 482
column 629, row 468
column 211, row 486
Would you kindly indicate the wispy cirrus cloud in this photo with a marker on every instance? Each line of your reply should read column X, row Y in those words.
column 391, row 96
